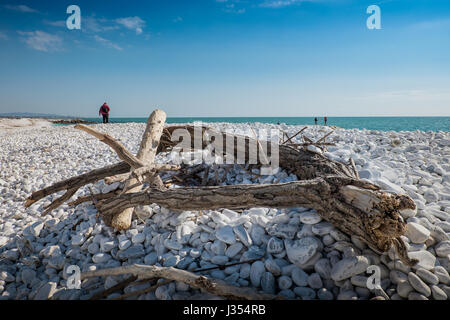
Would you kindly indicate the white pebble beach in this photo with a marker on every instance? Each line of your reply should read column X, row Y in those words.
column 302, row 256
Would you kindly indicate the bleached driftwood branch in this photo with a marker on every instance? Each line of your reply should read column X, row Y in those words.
column 121, row 151
column 213, row 286
column 146, row 155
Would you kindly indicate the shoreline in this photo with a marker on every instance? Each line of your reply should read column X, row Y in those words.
column 21, row 123
column 11, row 123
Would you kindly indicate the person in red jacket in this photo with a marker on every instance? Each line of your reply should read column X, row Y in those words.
column 104, row 111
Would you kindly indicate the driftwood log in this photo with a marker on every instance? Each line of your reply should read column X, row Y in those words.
column 352, row 206
column 73, row 184
column 332, row 188
column 213, row 286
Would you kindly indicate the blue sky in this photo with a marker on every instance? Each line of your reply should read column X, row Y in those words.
column 226, row 58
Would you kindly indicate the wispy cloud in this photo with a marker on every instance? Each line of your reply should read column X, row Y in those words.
column 92, row 24
column 41, row 41
column 93, row 27
column 232, row 6
column 177, row 19
column 89, row 24
column 408, row 94
column 107, row 43
column 281, row 3
column 21, row 8
column 432, row 24
column 132, row 23
column 3, row 36
column 97, row 25
column 412, row 93
column 237, row 6
column 58, row 23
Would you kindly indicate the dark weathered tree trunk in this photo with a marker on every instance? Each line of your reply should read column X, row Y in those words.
column 353, row 206
column 303, row 163
column 332, row 188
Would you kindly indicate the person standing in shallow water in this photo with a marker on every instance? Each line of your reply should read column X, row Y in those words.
column 104, row 111
column 315, row 121
column 325, row 120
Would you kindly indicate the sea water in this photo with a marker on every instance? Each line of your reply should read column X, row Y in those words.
column 370, row 123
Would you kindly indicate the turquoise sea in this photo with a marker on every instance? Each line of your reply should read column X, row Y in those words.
column 371, row 123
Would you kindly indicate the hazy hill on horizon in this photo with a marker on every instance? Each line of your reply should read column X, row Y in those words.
column 33, row 115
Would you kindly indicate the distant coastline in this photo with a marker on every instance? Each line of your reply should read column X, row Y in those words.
column 30, row 115
column 370, row 123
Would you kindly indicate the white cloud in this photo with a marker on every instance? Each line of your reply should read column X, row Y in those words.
column 282, row 3
column 41, row 41
column 58, row 23
column 177, row 19
column 89, row 24
column 21, row 8
column 231, row 9
column 278, row 3
column 230, row 6
column 132, row 23
column 107, row 43
column 407, row 95
column 92, row 24
column 432, row 24
column 402, row 93
column 3, row 36
column 96, row 25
